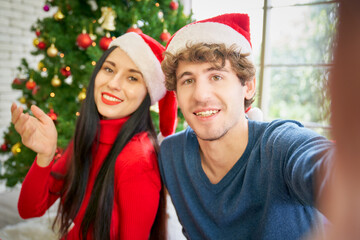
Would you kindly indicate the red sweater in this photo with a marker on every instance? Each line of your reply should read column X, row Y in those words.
column 136, row 187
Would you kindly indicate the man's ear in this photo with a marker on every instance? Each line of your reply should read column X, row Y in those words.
column 250, row 88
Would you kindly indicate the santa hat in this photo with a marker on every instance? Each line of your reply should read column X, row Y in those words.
column 229, row 29
column 147, row 55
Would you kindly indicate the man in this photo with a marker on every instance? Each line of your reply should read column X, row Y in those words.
column 230, row 177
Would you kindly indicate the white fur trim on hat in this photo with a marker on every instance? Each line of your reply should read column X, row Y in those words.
column 143, row 57
column 209, row 32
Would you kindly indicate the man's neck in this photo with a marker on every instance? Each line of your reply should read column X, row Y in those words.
column 219, row 156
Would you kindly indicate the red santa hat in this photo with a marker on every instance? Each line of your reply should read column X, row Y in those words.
column 231, row 28
column 147, row 55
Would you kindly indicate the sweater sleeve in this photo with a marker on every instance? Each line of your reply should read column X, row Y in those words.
column 138, row 190
column 40, row 188
column 304, row 155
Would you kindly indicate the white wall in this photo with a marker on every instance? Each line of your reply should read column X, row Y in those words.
column 16, row 42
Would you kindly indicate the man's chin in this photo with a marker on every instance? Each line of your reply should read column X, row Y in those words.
column 210, row 136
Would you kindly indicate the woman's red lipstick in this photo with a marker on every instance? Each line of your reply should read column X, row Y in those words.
column 110, row 99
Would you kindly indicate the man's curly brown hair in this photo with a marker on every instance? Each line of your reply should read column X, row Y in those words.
column 215, row 54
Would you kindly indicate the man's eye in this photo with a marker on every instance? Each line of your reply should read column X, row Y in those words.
column 188, row 81
column 216, row 77
column 133, row 78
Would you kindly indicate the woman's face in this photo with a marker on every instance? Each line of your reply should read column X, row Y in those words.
column 119, row 86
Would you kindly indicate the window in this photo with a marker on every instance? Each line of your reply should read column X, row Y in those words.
column 292, row 43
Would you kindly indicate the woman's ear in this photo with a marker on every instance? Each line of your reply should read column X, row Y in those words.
column 250, row 88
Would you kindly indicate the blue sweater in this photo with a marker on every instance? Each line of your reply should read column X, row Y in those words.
column 268, row 193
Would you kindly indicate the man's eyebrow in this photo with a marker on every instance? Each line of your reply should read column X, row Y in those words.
column 222, row 69
column 184, row 74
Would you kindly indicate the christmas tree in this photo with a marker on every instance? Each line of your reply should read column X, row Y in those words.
column 69, row 43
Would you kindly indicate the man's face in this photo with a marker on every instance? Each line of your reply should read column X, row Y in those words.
column 211, row 100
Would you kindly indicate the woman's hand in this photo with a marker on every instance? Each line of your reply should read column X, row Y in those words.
column 37, row 133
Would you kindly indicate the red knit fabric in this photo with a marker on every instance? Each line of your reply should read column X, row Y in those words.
column 136, row 188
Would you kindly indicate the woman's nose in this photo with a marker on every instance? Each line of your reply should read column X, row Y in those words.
column 116, row 82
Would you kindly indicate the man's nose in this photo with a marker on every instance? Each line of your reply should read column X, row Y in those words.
column 202, row 91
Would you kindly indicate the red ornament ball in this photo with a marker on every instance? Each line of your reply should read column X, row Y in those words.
column 165, row 36
column 4, row 147
column 17, row 81
column 134, row 29
column 52, row 115
column 41, row 45
column 38, row 33
column 65, row 72
column 83, row 40
column 105, row 42
column 174, row 5
column 30, row 84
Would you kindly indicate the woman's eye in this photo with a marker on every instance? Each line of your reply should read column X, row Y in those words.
column 107, row 69
column 133, row 78
column 216, row 77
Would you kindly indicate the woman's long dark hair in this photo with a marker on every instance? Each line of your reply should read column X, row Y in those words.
column 98, row 213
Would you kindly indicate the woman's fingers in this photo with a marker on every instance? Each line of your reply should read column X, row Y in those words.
column 13, row 107
column 26, row 136
column 39, row 114
column 15, row 113
column 22, row 122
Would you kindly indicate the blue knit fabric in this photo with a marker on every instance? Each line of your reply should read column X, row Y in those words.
column 268, row 194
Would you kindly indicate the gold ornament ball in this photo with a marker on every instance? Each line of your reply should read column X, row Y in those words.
column 16, row 148
column 52, row 51
column 82, row 95
column 59, row 15
column 22, row 100
column 36, row 42
column 56, row 82
column 41, row 65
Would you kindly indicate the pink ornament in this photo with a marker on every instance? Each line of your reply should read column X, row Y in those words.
column 35, row 90
column 46, row 8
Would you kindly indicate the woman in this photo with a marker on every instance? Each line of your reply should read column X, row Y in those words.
column 108, row 179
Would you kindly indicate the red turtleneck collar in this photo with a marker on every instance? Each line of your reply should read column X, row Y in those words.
column 109, row 129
